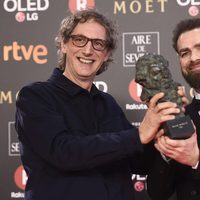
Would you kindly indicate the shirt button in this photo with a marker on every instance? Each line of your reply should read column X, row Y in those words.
column 193, row 192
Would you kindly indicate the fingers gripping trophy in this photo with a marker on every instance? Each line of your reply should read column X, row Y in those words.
column 153, row 74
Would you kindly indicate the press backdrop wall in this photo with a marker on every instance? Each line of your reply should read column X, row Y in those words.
column 28, row 53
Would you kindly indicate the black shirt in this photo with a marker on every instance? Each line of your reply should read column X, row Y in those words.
column 75, row 144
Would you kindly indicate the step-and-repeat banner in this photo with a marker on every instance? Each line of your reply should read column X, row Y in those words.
column 28, row 54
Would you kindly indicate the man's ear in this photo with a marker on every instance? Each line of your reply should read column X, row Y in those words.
column 107, row 56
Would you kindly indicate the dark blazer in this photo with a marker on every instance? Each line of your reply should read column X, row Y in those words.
column 165, row 179
column 75, row 144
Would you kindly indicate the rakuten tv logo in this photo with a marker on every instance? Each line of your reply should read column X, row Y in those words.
column 77, row 5
column 37, row 53
column 20, row 177
column 193, row 9
column 135, row 91
column 26, row 10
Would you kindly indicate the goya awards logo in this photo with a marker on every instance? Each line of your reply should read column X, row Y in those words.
column 193, row 6
column 137, row 44
column 26, row 10
column 77, row 5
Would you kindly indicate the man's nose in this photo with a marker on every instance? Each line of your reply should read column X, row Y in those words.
column 195, row 55
column 88, row 48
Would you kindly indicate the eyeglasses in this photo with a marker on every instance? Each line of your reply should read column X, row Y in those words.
column 81, row 41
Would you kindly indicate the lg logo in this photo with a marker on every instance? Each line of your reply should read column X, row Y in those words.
column 188, row 2
column 26, row 10
column 193, row 9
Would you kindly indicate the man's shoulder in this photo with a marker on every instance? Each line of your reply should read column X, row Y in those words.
column 107, row 96
column 35, row 86
column 30, row 90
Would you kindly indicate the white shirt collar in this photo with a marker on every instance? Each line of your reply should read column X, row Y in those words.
column 197, row 95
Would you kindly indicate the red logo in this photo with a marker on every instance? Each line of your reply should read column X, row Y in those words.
column 135, row 91
column 77, row 5
column 20, row 16
column 193, row 11
column 139, row 186
column 20, row 177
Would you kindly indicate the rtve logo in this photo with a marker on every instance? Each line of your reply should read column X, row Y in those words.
column 37, row 53
column 77, row 5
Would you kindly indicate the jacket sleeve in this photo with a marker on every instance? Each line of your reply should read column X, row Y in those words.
column 145, row 161
column 42, row 130
column 161, row 179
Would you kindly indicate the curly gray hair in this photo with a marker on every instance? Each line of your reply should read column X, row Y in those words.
column 69, row 23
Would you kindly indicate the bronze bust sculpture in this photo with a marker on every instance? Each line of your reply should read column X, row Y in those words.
column 152, row 72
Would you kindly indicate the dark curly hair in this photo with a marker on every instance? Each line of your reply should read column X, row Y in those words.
column 182, row 27
column 69, row 23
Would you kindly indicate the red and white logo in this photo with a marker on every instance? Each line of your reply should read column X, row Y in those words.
column 135, row 91
column 77, row 5
column 20, row 177
column 139, row 186
column 20, row 17
column 193, row 11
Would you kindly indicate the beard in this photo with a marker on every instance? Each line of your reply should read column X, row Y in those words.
column 192, row 78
